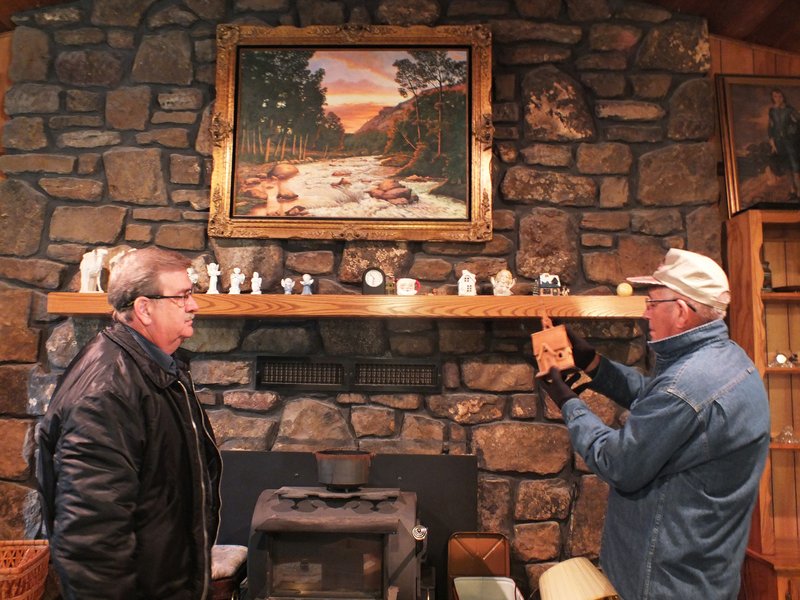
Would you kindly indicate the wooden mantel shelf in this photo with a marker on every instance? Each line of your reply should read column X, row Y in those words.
column 343, row 306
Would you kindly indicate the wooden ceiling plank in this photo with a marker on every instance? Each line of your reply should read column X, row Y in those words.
column 781, row 29
column 744, row 19
column 740, row 18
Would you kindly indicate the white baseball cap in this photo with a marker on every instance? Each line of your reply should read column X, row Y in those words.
column 695, row 276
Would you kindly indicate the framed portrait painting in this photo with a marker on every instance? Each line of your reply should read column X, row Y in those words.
column 352, row 132
column 760, row 127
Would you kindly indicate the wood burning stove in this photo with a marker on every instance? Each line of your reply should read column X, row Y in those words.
column 315, row 543
column 444, row 487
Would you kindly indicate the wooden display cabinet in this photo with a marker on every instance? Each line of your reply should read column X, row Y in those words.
column 765, row 323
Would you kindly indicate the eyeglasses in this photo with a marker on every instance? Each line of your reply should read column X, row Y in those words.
column 181, row 299
column 649, row 301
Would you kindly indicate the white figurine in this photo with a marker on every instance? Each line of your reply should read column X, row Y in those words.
column 287, row 283
column 193, row 275
column 306, row 282
column 466, row 284
column 255, row 283
column 213, row 277
column 92, row 270
column 237, row 279
column 502, row 284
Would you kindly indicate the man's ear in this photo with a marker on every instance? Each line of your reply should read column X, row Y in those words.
column 687, row 315
column 141, row 310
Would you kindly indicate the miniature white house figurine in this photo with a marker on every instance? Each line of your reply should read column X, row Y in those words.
column 287, row 283
column 549, row 285
column 237, row 279
column 213, row 277
column 92, row 269
column 255, row 283
column 502, row 284
column 306, row 282
column 466, row 284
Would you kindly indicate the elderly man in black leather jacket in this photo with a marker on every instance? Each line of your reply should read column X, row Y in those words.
column 128, row 466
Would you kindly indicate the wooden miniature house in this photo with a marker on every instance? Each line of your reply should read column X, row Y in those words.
column 551, row 348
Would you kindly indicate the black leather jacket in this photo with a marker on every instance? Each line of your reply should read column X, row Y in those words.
column 129, row 474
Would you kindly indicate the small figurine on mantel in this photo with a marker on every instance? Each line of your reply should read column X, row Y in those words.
column 194, row 277
column 549, row 285
column 502, row 283
column 466, row 284
column 237, row 279
column 287, row 283
column 306, row 281
column 91, row 268
column 213, row 277
column 255, row 283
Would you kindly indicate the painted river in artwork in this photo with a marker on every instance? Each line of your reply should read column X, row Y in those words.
column 340, row 189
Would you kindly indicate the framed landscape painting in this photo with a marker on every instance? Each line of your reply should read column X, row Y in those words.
column 352, row 132
column 760, row 126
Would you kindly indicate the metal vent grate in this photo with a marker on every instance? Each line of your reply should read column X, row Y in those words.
column 299, row 372
column 382, row 374
column 342, row 375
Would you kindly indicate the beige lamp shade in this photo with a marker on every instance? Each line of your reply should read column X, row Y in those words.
column 576, row 579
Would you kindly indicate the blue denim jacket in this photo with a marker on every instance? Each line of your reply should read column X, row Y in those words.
column 684, row 469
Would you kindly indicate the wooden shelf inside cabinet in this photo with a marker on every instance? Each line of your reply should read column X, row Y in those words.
column 325, row 305
column 782, row 371
column 780, row 446
column 780, row 296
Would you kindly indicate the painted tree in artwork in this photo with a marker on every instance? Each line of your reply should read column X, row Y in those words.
column 281, row 106
column 411, row 82
column 437, row 68
column 435, row 132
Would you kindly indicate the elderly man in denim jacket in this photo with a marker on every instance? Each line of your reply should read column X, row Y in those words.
column 685, row 467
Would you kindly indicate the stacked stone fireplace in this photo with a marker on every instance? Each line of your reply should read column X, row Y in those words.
column 107, row 144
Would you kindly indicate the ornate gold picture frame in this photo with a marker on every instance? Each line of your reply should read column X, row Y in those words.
column 760, row 126
column 352, row 132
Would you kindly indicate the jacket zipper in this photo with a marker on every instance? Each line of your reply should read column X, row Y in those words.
column 203, row 494
column 209, row 436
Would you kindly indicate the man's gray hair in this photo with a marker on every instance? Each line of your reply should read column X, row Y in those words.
column 704, row 311
column 136, row 274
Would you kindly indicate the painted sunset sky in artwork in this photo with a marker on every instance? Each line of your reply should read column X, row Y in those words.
column 360, row 83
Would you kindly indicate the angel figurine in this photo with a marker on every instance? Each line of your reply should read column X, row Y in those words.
column 255, row 283
column 306, row 281
column 502, row 283
column 213, row 277
column 287, row 283
column 237, row 279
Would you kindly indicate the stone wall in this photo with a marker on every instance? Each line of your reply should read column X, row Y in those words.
column 602, row 115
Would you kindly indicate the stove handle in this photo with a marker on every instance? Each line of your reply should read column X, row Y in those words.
column 419, row 532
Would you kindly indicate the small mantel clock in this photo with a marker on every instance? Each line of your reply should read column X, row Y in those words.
column 373, row 281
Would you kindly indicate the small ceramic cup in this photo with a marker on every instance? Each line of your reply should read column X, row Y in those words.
column 407, row 286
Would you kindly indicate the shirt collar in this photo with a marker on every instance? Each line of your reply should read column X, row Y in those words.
column 161, row 358
column 696, row 336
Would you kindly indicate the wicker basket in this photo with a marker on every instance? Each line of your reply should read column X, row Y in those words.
column 23, row 569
